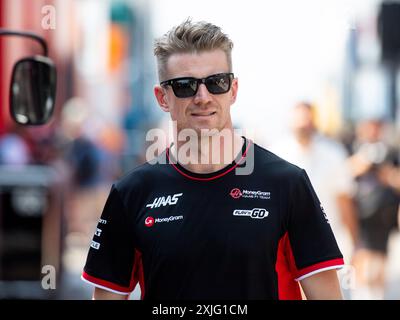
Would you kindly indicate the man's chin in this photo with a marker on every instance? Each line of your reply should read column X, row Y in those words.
column 207, row 131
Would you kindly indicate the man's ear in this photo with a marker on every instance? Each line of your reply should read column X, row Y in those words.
column 161, row 97
column 234, row 90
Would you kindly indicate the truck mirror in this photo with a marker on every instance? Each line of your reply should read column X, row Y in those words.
column 33, row 90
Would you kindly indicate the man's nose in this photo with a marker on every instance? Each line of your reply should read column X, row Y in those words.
column 202, row 95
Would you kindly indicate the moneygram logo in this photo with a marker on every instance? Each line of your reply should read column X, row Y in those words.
column 150, row 221
column 251, row 194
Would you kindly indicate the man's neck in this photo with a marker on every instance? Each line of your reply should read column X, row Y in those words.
column 208, row 154
column 304, row 140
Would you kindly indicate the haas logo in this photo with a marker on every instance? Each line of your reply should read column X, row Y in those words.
column 236, row 193
column 149, row 222
column 164, row 201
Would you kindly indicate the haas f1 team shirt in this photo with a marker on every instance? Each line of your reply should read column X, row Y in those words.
column 184, row 235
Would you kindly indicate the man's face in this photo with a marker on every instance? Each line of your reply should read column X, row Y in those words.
column 369, row 131
column 204, row 110
column 302, row 121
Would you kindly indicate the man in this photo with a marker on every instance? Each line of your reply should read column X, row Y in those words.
column 185, row 229
column 325, row 161
column 375, row 166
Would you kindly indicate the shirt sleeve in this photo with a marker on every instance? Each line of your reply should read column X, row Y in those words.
column 112, row 258
column 311, row 239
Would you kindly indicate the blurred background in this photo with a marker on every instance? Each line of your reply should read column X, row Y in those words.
column 320, row 76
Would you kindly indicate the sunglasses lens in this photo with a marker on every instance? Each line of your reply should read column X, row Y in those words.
column 187, row 87
column 219, row 83
column 184, row 88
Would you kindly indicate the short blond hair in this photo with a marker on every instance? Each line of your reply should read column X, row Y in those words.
column 190, row 37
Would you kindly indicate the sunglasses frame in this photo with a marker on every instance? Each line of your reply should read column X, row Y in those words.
column 199, row 81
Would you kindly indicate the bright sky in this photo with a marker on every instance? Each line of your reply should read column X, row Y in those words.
column 284, row 50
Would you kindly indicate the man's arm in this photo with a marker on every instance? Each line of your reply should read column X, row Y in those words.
column 348, row 214
column 101, row 294
column 322, row 286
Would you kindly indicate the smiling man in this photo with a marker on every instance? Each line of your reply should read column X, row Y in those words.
column 185, row 229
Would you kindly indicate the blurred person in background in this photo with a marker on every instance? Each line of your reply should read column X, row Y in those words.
column 375, row 166
column 14, row 147
column 90, row 147
column 324, row 160
column 83, row 157
column 189, row 230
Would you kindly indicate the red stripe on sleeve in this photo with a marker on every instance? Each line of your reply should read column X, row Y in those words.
column 315, row 267
column 136, row 276
column 288, row 288
column 287, row 271
column 105, row 283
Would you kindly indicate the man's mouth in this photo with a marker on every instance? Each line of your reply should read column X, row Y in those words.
column 203, row 114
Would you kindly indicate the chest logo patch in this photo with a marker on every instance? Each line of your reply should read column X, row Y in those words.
column 150, row 221
column 236, row 193
column 256, row 213
column 164, row 201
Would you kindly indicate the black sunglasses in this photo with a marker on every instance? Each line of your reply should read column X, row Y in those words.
column 187, row 86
